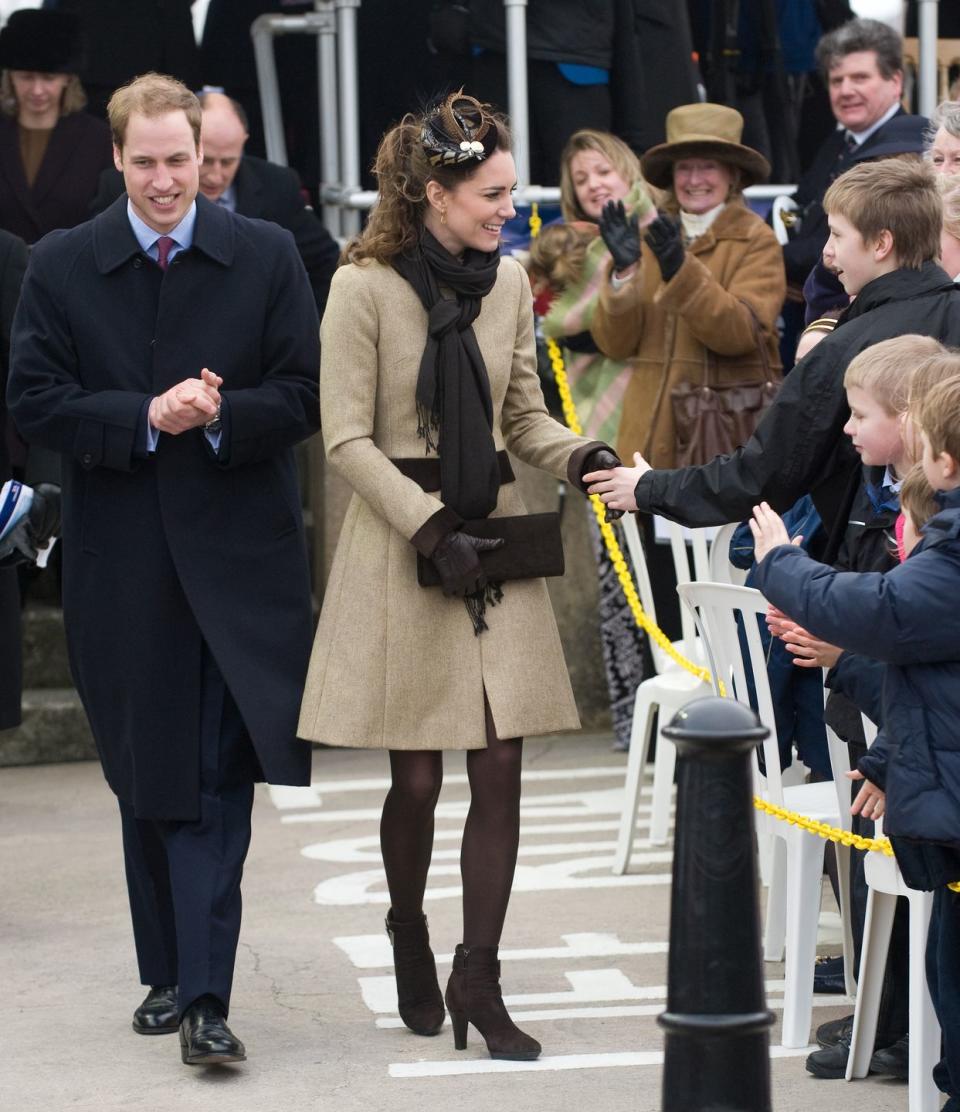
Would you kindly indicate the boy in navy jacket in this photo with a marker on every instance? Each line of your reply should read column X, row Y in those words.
column 907, row 619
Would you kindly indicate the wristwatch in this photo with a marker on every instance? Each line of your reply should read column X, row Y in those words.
column 214, row 424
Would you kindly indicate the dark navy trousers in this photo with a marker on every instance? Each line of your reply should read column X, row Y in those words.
column 183, row 878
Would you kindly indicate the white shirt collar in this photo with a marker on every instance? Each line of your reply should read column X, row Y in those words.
column 860, row 137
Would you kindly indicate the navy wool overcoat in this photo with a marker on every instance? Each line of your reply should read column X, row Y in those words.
column 164, row 552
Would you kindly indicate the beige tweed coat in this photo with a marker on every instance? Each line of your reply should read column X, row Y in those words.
column 395, row 665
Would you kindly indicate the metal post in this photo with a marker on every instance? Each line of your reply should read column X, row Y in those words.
column 262, row 31
column 516, row 27
column 329, row 114
column 717, row 1023
column 927, row 24
column 349, row 105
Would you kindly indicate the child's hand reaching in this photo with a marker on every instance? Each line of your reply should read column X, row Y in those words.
column 809, row 651
column 870, row 800
column 768, row 531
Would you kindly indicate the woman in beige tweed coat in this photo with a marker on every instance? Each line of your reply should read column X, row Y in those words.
column 397, row 666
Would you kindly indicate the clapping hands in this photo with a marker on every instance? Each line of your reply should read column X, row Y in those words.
column 188, row 405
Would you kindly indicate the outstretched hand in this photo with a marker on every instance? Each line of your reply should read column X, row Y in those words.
column 617, row 487
column 621, row 234
column 768, row 531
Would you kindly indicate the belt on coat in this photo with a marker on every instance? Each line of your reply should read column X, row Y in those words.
column 425, row 471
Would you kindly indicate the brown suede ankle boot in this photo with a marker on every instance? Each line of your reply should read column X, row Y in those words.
column 418, row 991
column 473, row 996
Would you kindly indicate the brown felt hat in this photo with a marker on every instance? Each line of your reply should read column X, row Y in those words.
column 703, row 131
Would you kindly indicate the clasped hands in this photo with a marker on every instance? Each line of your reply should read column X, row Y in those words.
column 615, row 486
column 188, row 405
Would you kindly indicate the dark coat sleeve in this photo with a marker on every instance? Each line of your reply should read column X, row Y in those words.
column 45, row 394
column 860, row 679
column 898, row 617
column 794, row 448
column 260, row 421
column 873, row 764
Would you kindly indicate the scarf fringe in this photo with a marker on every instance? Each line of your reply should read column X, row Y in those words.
column 428, row 425
column 478, row 602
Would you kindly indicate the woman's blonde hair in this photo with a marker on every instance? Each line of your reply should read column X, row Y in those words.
column 73, row 99
column 557, row 254
column 614, row 150
column 916, row 497
column 403, row 168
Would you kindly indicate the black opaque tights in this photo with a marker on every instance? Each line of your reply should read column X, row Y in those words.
column 488, row 855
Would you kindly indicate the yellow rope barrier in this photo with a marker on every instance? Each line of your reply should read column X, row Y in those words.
column 821, row 829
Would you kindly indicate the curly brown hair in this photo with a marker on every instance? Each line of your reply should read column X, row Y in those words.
column 557, row 254
column 403, row 169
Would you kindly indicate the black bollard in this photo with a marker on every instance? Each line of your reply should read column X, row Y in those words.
column 717, row 1042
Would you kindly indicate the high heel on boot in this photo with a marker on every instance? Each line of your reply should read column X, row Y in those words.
column 473, row 996
column 419, row 1000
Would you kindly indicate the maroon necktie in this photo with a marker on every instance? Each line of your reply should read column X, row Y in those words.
column 164, row 244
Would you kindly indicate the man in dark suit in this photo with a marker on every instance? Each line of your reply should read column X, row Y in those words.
column 249, row 185
column 862, row 63
column 168, row 350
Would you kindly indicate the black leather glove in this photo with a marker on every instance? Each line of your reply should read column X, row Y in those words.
column 664, row 240
column 457, row 561
column 621, row 234
column 34, row 529
column 602, row 460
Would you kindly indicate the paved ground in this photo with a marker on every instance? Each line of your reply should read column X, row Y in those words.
column 584, row 958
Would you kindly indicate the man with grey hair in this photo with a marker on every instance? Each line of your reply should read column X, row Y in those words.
column 862, row 64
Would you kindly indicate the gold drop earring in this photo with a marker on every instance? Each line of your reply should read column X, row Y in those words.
column 443, row 215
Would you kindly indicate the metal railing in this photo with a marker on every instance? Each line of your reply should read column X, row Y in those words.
column 334, row 23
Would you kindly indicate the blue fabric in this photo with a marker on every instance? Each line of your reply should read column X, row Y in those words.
column 578, row 74
column 182, row 234
column 904, row 618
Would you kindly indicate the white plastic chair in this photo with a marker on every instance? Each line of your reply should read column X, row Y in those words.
column 885, row 884
column 797, row 869
column 670, row 689
column 720, row 570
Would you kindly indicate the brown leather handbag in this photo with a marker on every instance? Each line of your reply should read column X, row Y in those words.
column 712, row 419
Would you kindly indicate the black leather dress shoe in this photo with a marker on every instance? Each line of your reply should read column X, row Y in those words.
column 828, row 976
column 205, row 1038
column 831, row 1032
column 157, row 1015
column 893, row 1061
column 832, row 1061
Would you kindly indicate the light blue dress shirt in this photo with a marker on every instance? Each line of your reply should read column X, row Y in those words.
column 182, row 236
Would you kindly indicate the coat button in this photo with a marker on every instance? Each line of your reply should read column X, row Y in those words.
column 137, row 263
column 86, row 459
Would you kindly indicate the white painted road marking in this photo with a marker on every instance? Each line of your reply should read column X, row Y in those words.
column 554, row 1062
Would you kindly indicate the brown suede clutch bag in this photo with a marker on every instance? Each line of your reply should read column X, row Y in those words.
column 533, row 549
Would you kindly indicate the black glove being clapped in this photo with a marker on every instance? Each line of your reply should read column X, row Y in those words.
column 457, row 561
column 621, row 234
column 664, row 240
column 34, row 530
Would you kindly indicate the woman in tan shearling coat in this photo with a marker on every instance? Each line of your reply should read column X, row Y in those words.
column 691, row 306
column 428, row 341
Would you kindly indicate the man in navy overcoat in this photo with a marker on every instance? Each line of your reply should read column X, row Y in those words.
column 168, row 349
